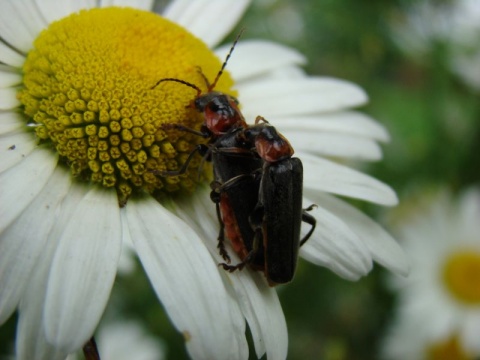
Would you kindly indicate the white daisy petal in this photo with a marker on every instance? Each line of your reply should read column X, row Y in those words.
column 210, row 20
column 345, row 122
column 8, row 99
column 335, row 246
column 20, row 23
column 262, row 309
column 325, row 175
column 31, row 342
column 137, row 4
column 8, row 77
column 382, row 246
column 178, row 263
column 254, row 57
column 249, row 288
column 331, row 144
column 469, row 332
column 284, row 97
column 258, row 302
column 55, row 10
column 10, row 122
column 10, row 57
column 25, row 239
column 15, row 148
column 83, row 270
column 21, row 189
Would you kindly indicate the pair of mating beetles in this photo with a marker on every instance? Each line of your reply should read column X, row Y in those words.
column 257, row 186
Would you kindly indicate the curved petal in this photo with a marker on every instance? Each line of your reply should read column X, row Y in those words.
column 325, row 175
column 383, row 248
column 22, row 183
column 345, row 122
column 254, row 57
column 334, row 144
column 23, row 242
column 14, row 148
column 83, row 270
column 262, row 309
column 198, row 211
column 55, row 10
column 258, row 302
column 31, row 342
column 185, row 279
column 10, row 57
column 284, row 97
column 335, row 246
column 8, row 99
column 20, row 23
column 210, row 20
column 8, row 77
column 11, row 121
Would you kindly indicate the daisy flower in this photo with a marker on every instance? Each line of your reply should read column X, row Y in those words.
column 81, row 132
column 454, row 24
column 439, row 303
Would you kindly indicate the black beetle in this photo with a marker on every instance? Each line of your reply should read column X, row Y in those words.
column 264, row 229
column 257, row 185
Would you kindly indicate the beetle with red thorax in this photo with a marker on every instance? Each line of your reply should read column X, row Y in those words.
column 257, row 185
column 220, row 111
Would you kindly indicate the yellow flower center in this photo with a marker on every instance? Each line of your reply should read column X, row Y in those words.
column 89, row 91
column 447, row 350
column 461, row 274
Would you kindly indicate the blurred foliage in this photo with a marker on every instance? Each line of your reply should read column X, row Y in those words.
column 434, row 124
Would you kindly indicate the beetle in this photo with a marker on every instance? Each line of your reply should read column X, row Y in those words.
column 264, row 228
column 257, row 185
column 220, row 112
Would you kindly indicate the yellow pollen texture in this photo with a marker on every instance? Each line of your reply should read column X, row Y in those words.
column 450, row 349
column 461, row 275
column 89, row 90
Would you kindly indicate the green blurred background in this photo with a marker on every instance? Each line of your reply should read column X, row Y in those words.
column 433, row 120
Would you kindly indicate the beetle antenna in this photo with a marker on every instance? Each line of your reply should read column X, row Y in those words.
column 193, row 86
column 212, row 86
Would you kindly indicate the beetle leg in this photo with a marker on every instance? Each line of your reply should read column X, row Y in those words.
column 309, row 219
column 215, row 197
column 201, row 148
column 252, row 253
column 221, row 237
column 219, row 188
column 205, row 133
column 240, row 265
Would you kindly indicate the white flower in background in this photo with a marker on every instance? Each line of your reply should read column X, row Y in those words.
column 76, row 98
column 439, row 303
column 453, row 24
column 125, row 340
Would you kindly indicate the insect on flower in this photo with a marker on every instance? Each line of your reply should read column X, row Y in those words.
column 260, row 210
column 257, row 185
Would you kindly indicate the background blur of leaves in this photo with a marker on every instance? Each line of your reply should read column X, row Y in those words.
column 433, row 119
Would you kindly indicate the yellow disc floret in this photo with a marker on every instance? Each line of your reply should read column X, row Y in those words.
column 461, row 275
column 89, row 91
column 450, row 349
